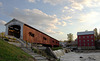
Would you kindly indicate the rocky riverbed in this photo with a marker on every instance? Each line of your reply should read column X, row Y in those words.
column 72, row 56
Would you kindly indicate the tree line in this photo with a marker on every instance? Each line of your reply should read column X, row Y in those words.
column 96, row 35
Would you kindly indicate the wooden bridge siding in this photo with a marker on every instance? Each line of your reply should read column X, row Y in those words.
column 38, row 37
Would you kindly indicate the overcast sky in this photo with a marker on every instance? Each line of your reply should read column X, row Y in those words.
column 56, row 18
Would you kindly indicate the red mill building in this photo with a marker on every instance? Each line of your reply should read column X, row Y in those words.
column 27, row 33
column 86, row 40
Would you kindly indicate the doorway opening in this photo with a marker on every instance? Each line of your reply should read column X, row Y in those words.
column 14, row 30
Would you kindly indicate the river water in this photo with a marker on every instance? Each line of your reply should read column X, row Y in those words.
column 72, row 56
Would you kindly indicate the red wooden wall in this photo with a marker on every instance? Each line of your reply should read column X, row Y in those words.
column 38, row 36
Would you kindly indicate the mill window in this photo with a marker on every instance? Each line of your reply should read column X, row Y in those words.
column 83, row 36
column 87, row 36
column 92, row 40
column 79, row 37
column 91, row 36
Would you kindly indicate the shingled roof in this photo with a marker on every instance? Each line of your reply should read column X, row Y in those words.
column 30, row 27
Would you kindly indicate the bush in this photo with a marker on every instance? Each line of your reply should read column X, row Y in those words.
column 14, row 39
column 56, row 48
column 58, row 59
column 35, row 50
column 41, row 52
column 6, row 39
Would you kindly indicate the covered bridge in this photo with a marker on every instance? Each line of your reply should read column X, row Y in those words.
column 27, row 33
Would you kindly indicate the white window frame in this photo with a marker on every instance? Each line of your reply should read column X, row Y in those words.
column 88, row 40
column 87, row 36
column 79, row 37
column 83, row 36
column 92, row 40
column 84, row 44
column 91, row 36
column 92, row 44
column 79, row 40
column 88, row 44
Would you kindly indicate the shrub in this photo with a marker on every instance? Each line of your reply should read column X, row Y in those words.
column 56, row 48
column 6, row 39
column 35, row 50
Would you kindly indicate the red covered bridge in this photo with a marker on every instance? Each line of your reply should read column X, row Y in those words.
column 27, row 33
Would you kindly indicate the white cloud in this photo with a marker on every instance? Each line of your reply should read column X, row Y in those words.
column 72, row 10
column 77, row 6
column 91, row 17
column 63, row 10
column 53, row 32
column 91, row 3
column 59, row 23
column 2, row 22
column 70, row 23
column 49, row 31
column 54, row 2
column 80, row 4
column 0, row 4
column 66, row 17
column 64, row 23
column 31, row 1
column 66, row 7
column 59, row 33
column 37, row 19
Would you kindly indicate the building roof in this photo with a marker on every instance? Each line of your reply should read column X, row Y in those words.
column 13, row 20
column 85, row 33
column 30, row 27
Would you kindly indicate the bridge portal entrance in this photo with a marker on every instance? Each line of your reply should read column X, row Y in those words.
column 14, row 30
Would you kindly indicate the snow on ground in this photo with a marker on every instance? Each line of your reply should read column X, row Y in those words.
column 72, row 56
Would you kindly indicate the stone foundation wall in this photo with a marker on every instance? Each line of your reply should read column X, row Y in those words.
column 87, row 47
